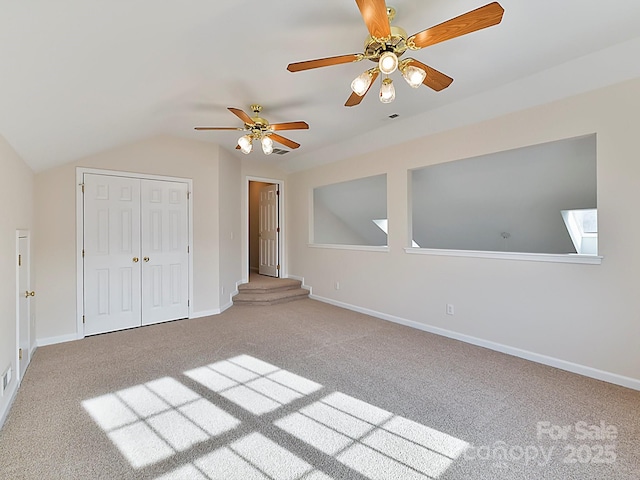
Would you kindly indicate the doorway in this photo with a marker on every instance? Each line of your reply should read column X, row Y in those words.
column 265, row 230
column 24, row 296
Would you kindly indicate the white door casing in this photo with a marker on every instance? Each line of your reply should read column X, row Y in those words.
column 268, row 231
column 24, row 294
column 112, row 264
column 136, row 261
column 165, row 257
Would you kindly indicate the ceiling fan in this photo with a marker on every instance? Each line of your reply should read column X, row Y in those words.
column 386, row 44
column 258, row 128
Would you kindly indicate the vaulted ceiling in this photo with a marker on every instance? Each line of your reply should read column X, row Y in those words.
column 78, row 77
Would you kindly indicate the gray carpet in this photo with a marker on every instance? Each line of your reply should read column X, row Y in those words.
column 305, row 390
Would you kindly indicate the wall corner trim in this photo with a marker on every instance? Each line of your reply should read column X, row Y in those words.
column 43, row 342
column 301, row 279
column 205, row 313
column 14, row 393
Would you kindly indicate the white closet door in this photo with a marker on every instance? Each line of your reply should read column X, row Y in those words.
column 112, row 261
column 165, row 239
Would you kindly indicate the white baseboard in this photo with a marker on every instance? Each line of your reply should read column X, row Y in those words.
column 42, row 342
column 205, row 313
column 301, row 280
column 226, row 306
column 614, row 378
column 13, row 392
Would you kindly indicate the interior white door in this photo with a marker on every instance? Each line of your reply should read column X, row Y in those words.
column 24, row 296
column 112, row 264
column 165, row 242
column 269, row 231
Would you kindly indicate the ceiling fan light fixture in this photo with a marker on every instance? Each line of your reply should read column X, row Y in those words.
column 361, row 83
column 414, row 75
column 388, row 63
column 267, row 145
column 245, row 143
column 387, row 91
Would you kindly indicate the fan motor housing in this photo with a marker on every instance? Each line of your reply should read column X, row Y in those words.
column 397, row 43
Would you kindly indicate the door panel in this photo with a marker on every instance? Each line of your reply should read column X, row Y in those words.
column 165, row 275
column 112, row 266
column 268, row 231
column 23, row 305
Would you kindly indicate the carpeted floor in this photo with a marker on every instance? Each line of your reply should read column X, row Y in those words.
column 305, row 390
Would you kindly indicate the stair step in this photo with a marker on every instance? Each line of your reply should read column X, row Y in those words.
column 275, row 286
column 269, row 297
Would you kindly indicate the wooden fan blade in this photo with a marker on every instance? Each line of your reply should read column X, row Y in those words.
column 241, row 115
column 218, row 128
column 323, row 62
column 284, row 141
column 472, row 21
column 434, row 79
column 374, row 14
column 289, row 126
column 355, row 99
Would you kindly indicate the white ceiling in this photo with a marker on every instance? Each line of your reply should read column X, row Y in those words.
column 78, row 77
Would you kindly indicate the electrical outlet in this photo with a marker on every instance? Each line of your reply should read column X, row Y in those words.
column 222, row 290
column 337, row 285
column 450, row 310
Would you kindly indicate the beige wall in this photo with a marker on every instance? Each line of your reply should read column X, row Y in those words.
column 55, row 204
column 16, row 213
column 587, row 315
column 230, row 220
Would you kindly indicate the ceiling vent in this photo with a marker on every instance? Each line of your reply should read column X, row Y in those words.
column 279, row 151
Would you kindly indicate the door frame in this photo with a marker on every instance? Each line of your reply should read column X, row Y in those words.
column 245, row 226
column 80, row 171
column 22, row 234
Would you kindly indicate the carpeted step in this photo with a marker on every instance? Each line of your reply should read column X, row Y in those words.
column 274, row 285
column 269, row 296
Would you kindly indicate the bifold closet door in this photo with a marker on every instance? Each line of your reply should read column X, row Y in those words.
column 111, row 253
column 165, row 257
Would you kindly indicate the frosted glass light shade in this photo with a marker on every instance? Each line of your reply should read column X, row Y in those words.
column 414, row 75
column 245, row 144
column 360, row 84
column 388, row 63
column 267, row 145
column 387, row 91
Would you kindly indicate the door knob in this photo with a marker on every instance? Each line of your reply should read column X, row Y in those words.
column 28, row 294
column 146, row 259
column 135, row 259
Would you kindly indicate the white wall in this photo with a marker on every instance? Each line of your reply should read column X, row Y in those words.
column 55, row 242
column 566, row 314
column 345, row 211
column 16, row 212
column 328, row 228
column 229, row 204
